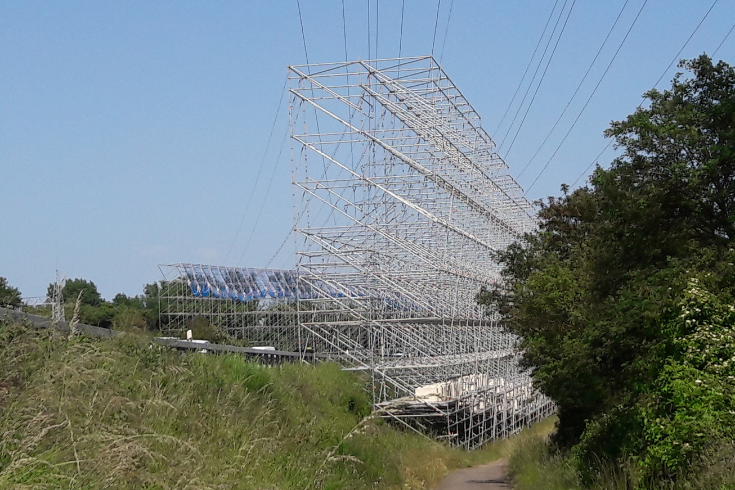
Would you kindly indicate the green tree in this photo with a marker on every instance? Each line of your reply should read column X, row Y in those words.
column 122, row 299
column 72, row 288
column 598, row 293
column 9, row 296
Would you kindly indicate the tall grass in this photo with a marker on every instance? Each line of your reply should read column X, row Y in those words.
column 536, row 465
column 126, row 413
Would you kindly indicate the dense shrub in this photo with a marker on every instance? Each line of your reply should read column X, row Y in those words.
column 623, row 298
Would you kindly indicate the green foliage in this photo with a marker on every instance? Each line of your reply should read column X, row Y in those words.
column 622, row 298
column 83, row 413
column 537, row 465
column 89, row 294
column 9, row 296
column 122, row 313
column 202, row 329
column 692, row 403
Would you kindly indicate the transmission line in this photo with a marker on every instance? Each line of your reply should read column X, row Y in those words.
column 551, row 14
column 588, row 98
column 260, row 169
column 602, row 46
column 377, row 26
column 533, row 79
column 279, row 249
column 344, row 28
column 654, row 86
column 685, row 44
column 446, row 31
column 400, row 39
column 368, row 28
column 541, row 80
column 303, row 36
column 723, row 40
column 265, row 196
column 436, row 24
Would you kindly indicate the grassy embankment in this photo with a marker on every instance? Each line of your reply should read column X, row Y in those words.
column 535, row 465
column 82, row 413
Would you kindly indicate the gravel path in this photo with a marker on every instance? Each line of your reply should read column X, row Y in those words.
column 491, row 476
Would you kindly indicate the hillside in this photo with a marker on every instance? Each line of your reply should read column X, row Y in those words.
column 82, row 413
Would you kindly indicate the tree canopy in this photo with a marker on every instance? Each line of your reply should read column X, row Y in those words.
column 9, row 296
column 623, row 298
column 90, row 295
column 123, row 312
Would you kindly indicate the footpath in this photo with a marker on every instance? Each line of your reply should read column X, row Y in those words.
column 491, row 476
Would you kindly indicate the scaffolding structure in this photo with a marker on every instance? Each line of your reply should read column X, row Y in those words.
column 401, row 202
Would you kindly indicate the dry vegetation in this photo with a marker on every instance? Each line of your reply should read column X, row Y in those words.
column 83, row 413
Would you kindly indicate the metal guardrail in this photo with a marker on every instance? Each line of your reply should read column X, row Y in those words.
column 262, row 355
column 43, row 322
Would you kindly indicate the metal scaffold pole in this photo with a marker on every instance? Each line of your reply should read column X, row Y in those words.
column 399, row 212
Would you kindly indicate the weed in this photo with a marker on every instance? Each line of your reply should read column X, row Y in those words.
column 126, row 413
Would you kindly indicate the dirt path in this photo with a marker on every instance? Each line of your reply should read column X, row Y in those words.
column 491, row 476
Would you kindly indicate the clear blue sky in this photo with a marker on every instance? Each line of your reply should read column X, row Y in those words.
column 131, row 133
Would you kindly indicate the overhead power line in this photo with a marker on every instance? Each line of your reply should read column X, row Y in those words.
column 260, row 169
column 535, row 73
column 279, row 249
column 576, row 91
column 723, row 40
column 594, row 91
column 368, row 29
column 676, row 57
column 377, row 26
column 265, row 197
column 446, row 31
column 303, row 36
column 530, row 61
column 436, row 24
column 541, row 80
column 595, row 160
column 344, row 28
column 400, row 39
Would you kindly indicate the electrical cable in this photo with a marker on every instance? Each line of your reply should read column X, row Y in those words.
column 265, row 197
column 685, row 44
column 400, row 39
column 588, row 98
column 593, row 162
column 306, row 54
column 377, row 26
column 533, row 79
column 344, row 28
column 657, row 81
column 436, row 24
column 551, row 14
column 446, row 31
column 602, row 46
column 543, row 75
column 279, row 248
column 303, row 36
column 723, row 41
column 260, row 169
column 368, row 29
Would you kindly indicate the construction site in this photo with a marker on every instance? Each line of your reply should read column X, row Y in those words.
column 400, row 202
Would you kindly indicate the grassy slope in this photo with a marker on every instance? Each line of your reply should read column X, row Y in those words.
column 81, row 413
column 534, row 465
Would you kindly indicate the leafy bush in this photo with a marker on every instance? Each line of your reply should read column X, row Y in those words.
column 623, row 297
